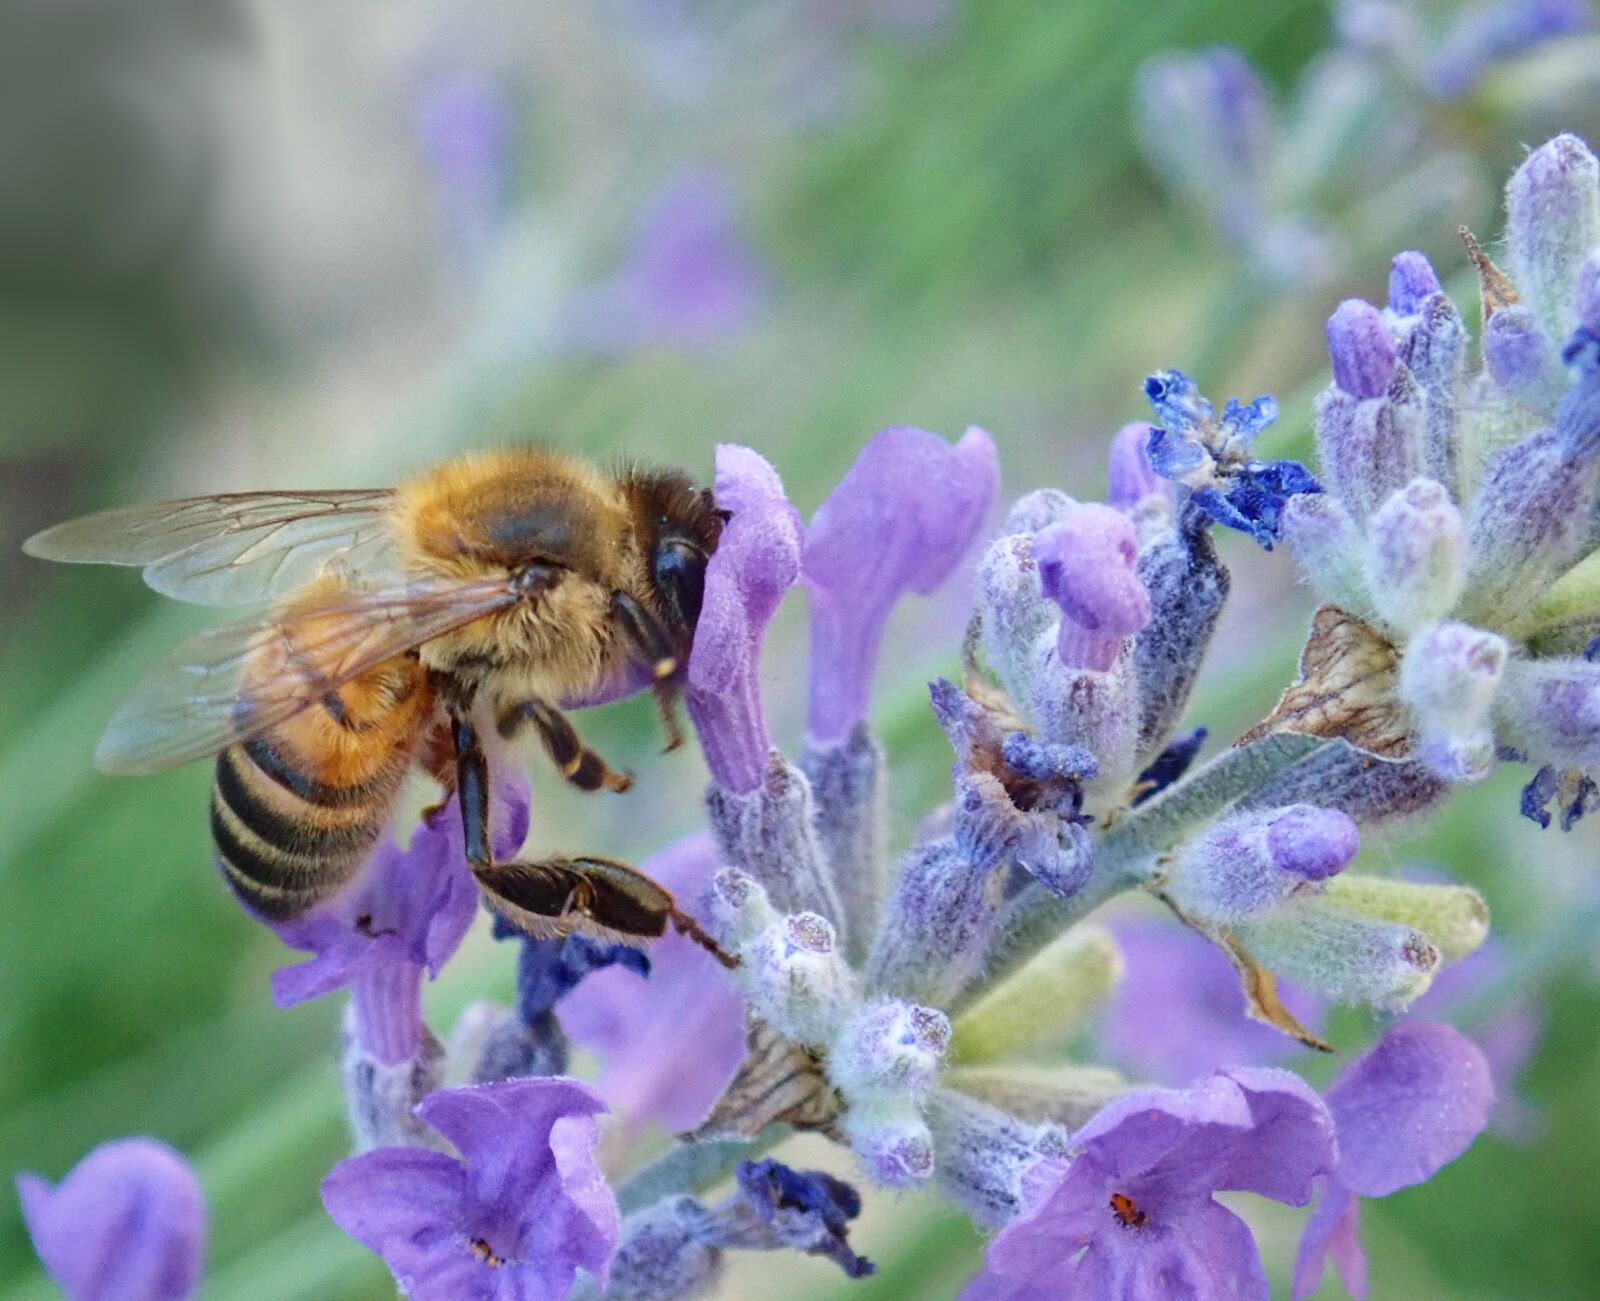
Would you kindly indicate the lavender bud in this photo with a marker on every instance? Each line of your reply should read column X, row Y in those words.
column 983, row 1154
column 1361, row 349
column 1550, row 710
column 1086, row 566
column 1188, row 586
column 1453, row 917
column 1449, row 678
column 937, row 926
column 1552, row 224
column 888, row 1048
column 663, row 1255
column 1416, row 558
column 1254, row 863
column 1330, row 547
column 736, row 907
column 1016, row 617
column 1041, row 1006
column 1586, row 297
column 1035, row 511
column 1528, row 523
column 1342, row 956
column 1132, row 478
column 492, row 1043
column 1411, row 280
column 892, row 1144
column 381, row 1096
column 1370, row 447
column 849, row 790
column 770, row 832
column 796, row 979
column 1372, row 791
column 1434, row 351
column 1522, row 360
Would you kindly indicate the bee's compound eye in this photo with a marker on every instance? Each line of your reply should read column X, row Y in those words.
column 534, row 579
column 680, row 575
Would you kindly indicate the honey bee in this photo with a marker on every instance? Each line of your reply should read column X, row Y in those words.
column 404, row 623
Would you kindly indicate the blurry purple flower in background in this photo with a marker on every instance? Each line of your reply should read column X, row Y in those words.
column 670, row 1043
column 1405, row 1109
column 1486, row 34
column 515, row 1219
column 1133, row 1214
column 689, row 277
column 464, row 128
column 128, row 1223
column 1179, row 1013
column 405, row 915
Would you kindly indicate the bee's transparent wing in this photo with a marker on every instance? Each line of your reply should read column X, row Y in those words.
column 231, row 549
column 228, row 684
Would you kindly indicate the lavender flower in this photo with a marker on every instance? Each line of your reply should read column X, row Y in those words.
column 1487, row 34
column 1133, row 1212
column 757, row 561
column 464, row 128
column 523, row 1209
column 1409, row 1106
column 669, row 1046
column 128, row 1223
column 1179, row 1015
column 689, row 277
column 900, row 521
column 405, row 916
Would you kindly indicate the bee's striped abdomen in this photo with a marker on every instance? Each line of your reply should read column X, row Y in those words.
column 296, row 811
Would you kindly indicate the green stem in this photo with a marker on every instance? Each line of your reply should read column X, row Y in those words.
column 694, row 1168
column 1125, row 855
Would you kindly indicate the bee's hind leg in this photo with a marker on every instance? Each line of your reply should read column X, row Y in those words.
column 578, row 763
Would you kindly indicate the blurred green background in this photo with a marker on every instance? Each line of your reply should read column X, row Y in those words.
column 296, row 245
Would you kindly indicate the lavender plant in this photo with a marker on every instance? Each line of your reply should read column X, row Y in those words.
column 919, row 1017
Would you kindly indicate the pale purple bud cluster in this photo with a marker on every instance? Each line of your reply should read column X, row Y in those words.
column 984, row 1155
column 1449, row 679
column 797, row 979
column 1416, row 557
column 1254, row 863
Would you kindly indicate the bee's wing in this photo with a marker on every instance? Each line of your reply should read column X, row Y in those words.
column 231, row 549
column 228, row 684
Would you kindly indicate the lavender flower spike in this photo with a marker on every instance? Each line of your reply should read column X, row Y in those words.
column 756, row 562
column 1403, row 1110
column 899, row 521
column 1552, row 224
column 1139, row 1194
column 128, row 1223
column 514, row 1219
column 1087, row 566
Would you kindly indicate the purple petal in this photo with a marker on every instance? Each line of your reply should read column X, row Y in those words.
column 1086, row 566
column 1333, row 1230
column 669, row 1044
column 899, row 521
column 1292, row 1139
column 1408, row 1106
column 503, row 1129
column 128, row 1223
column 399, row 1201
column 756, row 562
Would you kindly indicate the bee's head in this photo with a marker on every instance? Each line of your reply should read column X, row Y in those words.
column 680, row 526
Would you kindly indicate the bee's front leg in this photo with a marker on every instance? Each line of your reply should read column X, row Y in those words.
column 472, row 790
column 578, row 763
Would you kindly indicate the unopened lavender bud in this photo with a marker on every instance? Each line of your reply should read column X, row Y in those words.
column 381, row 1096
column 1586, row 295
column 1087, row 565
column 892, row 1144
column 1361, row 349
column 888, row 1048
column 1550, row 710
column 937, row 926
column 1449, row 678
column 1371, row 446
column 1330, row 548
column 492, row 1043
column 1411, row 280
column 736, row 908
column 1043, row 1004
column 849, row 789
column 1434, row 350
column 795, row 978
column 1255, row 863
column 1342, row 956
column 1016, row 617
column 1453, row 917
column 663, row 1255
column 1188, row 586
column 1416, row 558
column 1132, row 478
column 770, row 832
column 1552, row 225
column 1522, row 359
column 1372, row 791
column 983, row 1154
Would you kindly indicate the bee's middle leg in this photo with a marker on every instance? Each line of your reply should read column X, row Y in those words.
column 578, row 763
